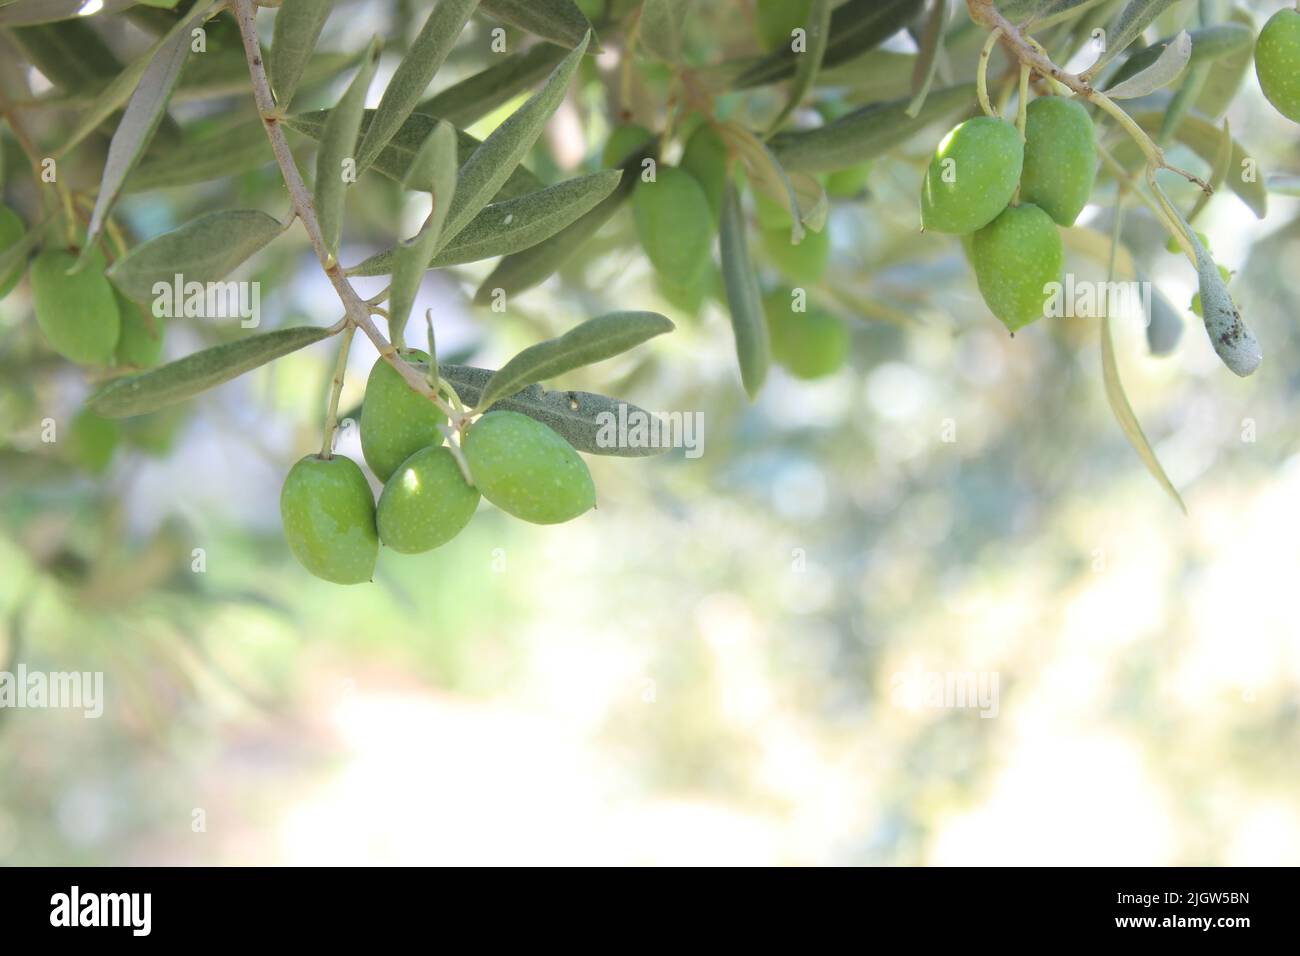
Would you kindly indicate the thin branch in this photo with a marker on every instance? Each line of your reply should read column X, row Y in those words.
column 358, row 311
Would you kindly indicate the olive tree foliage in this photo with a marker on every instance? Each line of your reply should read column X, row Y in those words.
column 727, row 129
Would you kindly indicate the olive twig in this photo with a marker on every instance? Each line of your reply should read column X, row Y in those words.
column 336, row 389
column 982, row 73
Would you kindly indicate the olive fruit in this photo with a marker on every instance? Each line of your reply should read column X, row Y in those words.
column 527, row 470
column 1277, row 62
column 92, row 440
column 328, row 514
column 78, row 312
column 810, row 344
column 804, row 263
column 674, row 223
column 12, row 231
column 972, row 176
column 396, row 420
column 848, row 183
column 1015, row 257
column 138, row 344
column 425, row 503
column 771, row 214
column 1060, row 158
column 776, row 20
column 705, row 157
column 623, row 142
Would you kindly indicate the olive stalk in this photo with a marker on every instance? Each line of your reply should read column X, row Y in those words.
column 336, row 389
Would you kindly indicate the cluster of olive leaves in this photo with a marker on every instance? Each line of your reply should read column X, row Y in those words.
column 439, row 434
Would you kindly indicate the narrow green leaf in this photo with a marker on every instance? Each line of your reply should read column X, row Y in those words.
column 395, row 158
column 1207, row 44
column 559, row 21
column 206, row 249
column 187, row 377
column 144, row 112
column 297, row 28
column 663, row 26
column 71, row 55
column 1126, row 27
column 818, row 29
column 857, row 27
column 491, row 164
column 593, row 341
column 1227, row 72
column 524, row 269
column 515, row 224
column 473, row 98
column 927, row 64
column 434, row 164
column 1166, row 68
column 580, row 418
column 336, row 161
column 25, row 12
column 866, row 133
column 231, row 151
column 747, row 323
column 413, row 75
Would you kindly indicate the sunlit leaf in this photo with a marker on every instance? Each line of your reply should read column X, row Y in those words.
column 336, row 161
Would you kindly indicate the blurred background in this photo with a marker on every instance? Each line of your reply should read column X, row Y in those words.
column 733, row 659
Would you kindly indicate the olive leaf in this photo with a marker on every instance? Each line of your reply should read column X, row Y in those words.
column 1207, row 44
column 514, row 224
column 187, row 377
column 866, row 133
column 857, row 27
column 293, row 39
column 927, row 64
column 559, row 21
column 747, row 323
column 206, row 249
column 143, row 113
column 578, row 417
column 337, row 145
column 473, row 98
column 413, row 75
column 524, row 269
column 71, row 55
column 434, row 164
column 818, row 30
column 1125, row 27
column 1227, row 72
column 395, row 158
column 24, row 12
column 662, row 27
column 488, row 168
column 213, row 155
column 593, row 341
column 1168, row 66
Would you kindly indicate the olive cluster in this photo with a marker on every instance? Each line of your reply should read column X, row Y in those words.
column 1007, row 194
column 333, row 525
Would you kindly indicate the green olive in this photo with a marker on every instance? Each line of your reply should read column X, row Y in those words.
column 1277, row 62
column 1060, row 158
column 396, row 420
column 803, row 264
column 1016, row 256
column 809, row 345
column 527, row 470
column 78, row 312
column 92, row 440
column 623, row 142
column 138, row 345
column 425, row 503
column 674, row 223
column 972, row 176
column 329, row 519
column 705, row 157
column 848, row 183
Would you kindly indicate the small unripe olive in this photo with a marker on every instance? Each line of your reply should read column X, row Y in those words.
column 78, row 312
column 396, row 420
column 776, row 20
column 809, row 344
column 137, row 344
column 1277, row 62
column 527, row 470
column 92, row 440
column 623, row 142
column 972, row 176
column 705, row 158
column 12, row 231
column 329, row 519
column 1060, row 158
column 425, row 503
column 802, row 264
column 848, row 183
column 1016, row 256
column 674, row 223
column 771, row 215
